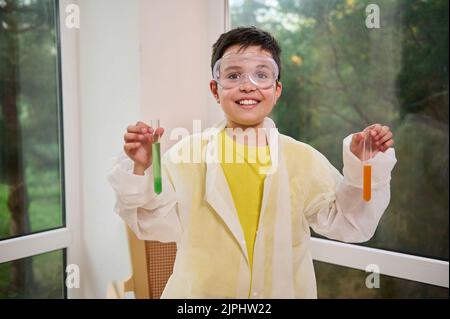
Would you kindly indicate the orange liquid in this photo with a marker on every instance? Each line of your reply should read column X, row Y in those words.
column 367, row 182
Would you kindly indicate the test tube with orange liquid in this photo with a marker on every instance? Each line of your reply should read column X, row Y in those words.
column 367, row 169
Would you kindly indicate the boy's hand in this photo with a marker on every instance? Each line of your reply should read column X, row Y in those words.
column 381, row 137
column 138, row 145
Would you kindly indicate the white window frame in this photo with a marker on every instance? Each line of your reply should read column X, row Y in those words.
column 72, row 141
column 68, row 237
column 403, row 266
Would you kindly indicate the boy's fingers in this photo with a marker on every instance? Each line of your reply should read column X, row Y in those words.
column 384, row 130
column 159, row 131
column 374, row 133
column 357, row 137
column 133, row 129
column 142, row 128
column 142, row 125
column 385, row 138
column 136, row 129
column 131, row 146
column 388, row 144
column 374, row 129
column 132, row 137
column 148, row 137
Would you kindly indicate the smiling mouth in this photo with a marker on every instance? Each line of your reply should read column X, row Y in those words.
column 247, row 103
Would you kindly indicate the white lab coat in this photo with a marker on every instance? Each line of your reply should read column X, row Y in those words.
column 196, row 210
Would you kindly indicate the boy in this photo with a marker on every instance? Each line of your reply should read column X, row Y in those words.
column 243, row 231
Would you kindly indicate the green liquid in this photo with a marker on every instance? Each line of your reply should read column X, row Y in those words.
column 156, row 154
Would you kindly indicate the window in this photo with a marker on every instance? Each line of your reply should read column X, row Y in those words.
column 340, row 76
column 31, row 161
column 44, row 277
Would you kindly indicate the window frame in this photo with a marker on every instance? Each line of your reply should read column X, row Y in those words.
column 394, row 264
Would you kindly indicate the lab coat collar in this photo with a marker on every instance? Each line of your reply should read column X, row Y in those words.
column 211, row 135
column 218, row 194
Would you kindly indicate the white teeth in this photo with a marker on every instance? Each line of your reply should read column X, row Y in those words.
column 247, row 102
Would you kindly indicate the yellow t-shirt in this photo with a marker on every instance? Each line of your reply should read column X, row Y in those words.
column 241, row 170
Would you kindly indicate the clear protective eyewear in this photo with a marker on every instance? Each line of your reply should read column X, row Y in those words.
column 232, row 70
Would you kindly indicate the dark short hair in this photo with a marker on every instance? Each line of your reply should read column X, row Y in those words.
column 245, row 37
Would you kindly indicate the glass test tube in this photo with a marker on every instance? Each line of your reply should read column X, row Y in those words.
column 156, row 157
column 367, row 169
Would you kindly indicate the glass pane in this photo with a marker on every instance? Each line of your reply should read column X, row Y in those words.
column 339, row 76
column 342, row 282
column 30, row 147
column 40, row 276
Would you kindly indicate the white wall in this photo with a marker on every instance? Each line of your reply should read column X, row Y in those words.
column 109, row 84
column 130, row 56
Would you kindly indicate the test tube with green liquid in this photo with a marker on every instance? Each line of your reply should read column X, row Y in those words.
column 156, row 157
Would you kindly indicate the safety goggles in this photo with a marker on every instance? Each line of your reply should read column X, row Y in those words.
column 233, row 70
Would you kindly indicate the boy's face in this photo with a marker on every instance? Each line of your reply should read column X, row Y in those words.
column 246, row 105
